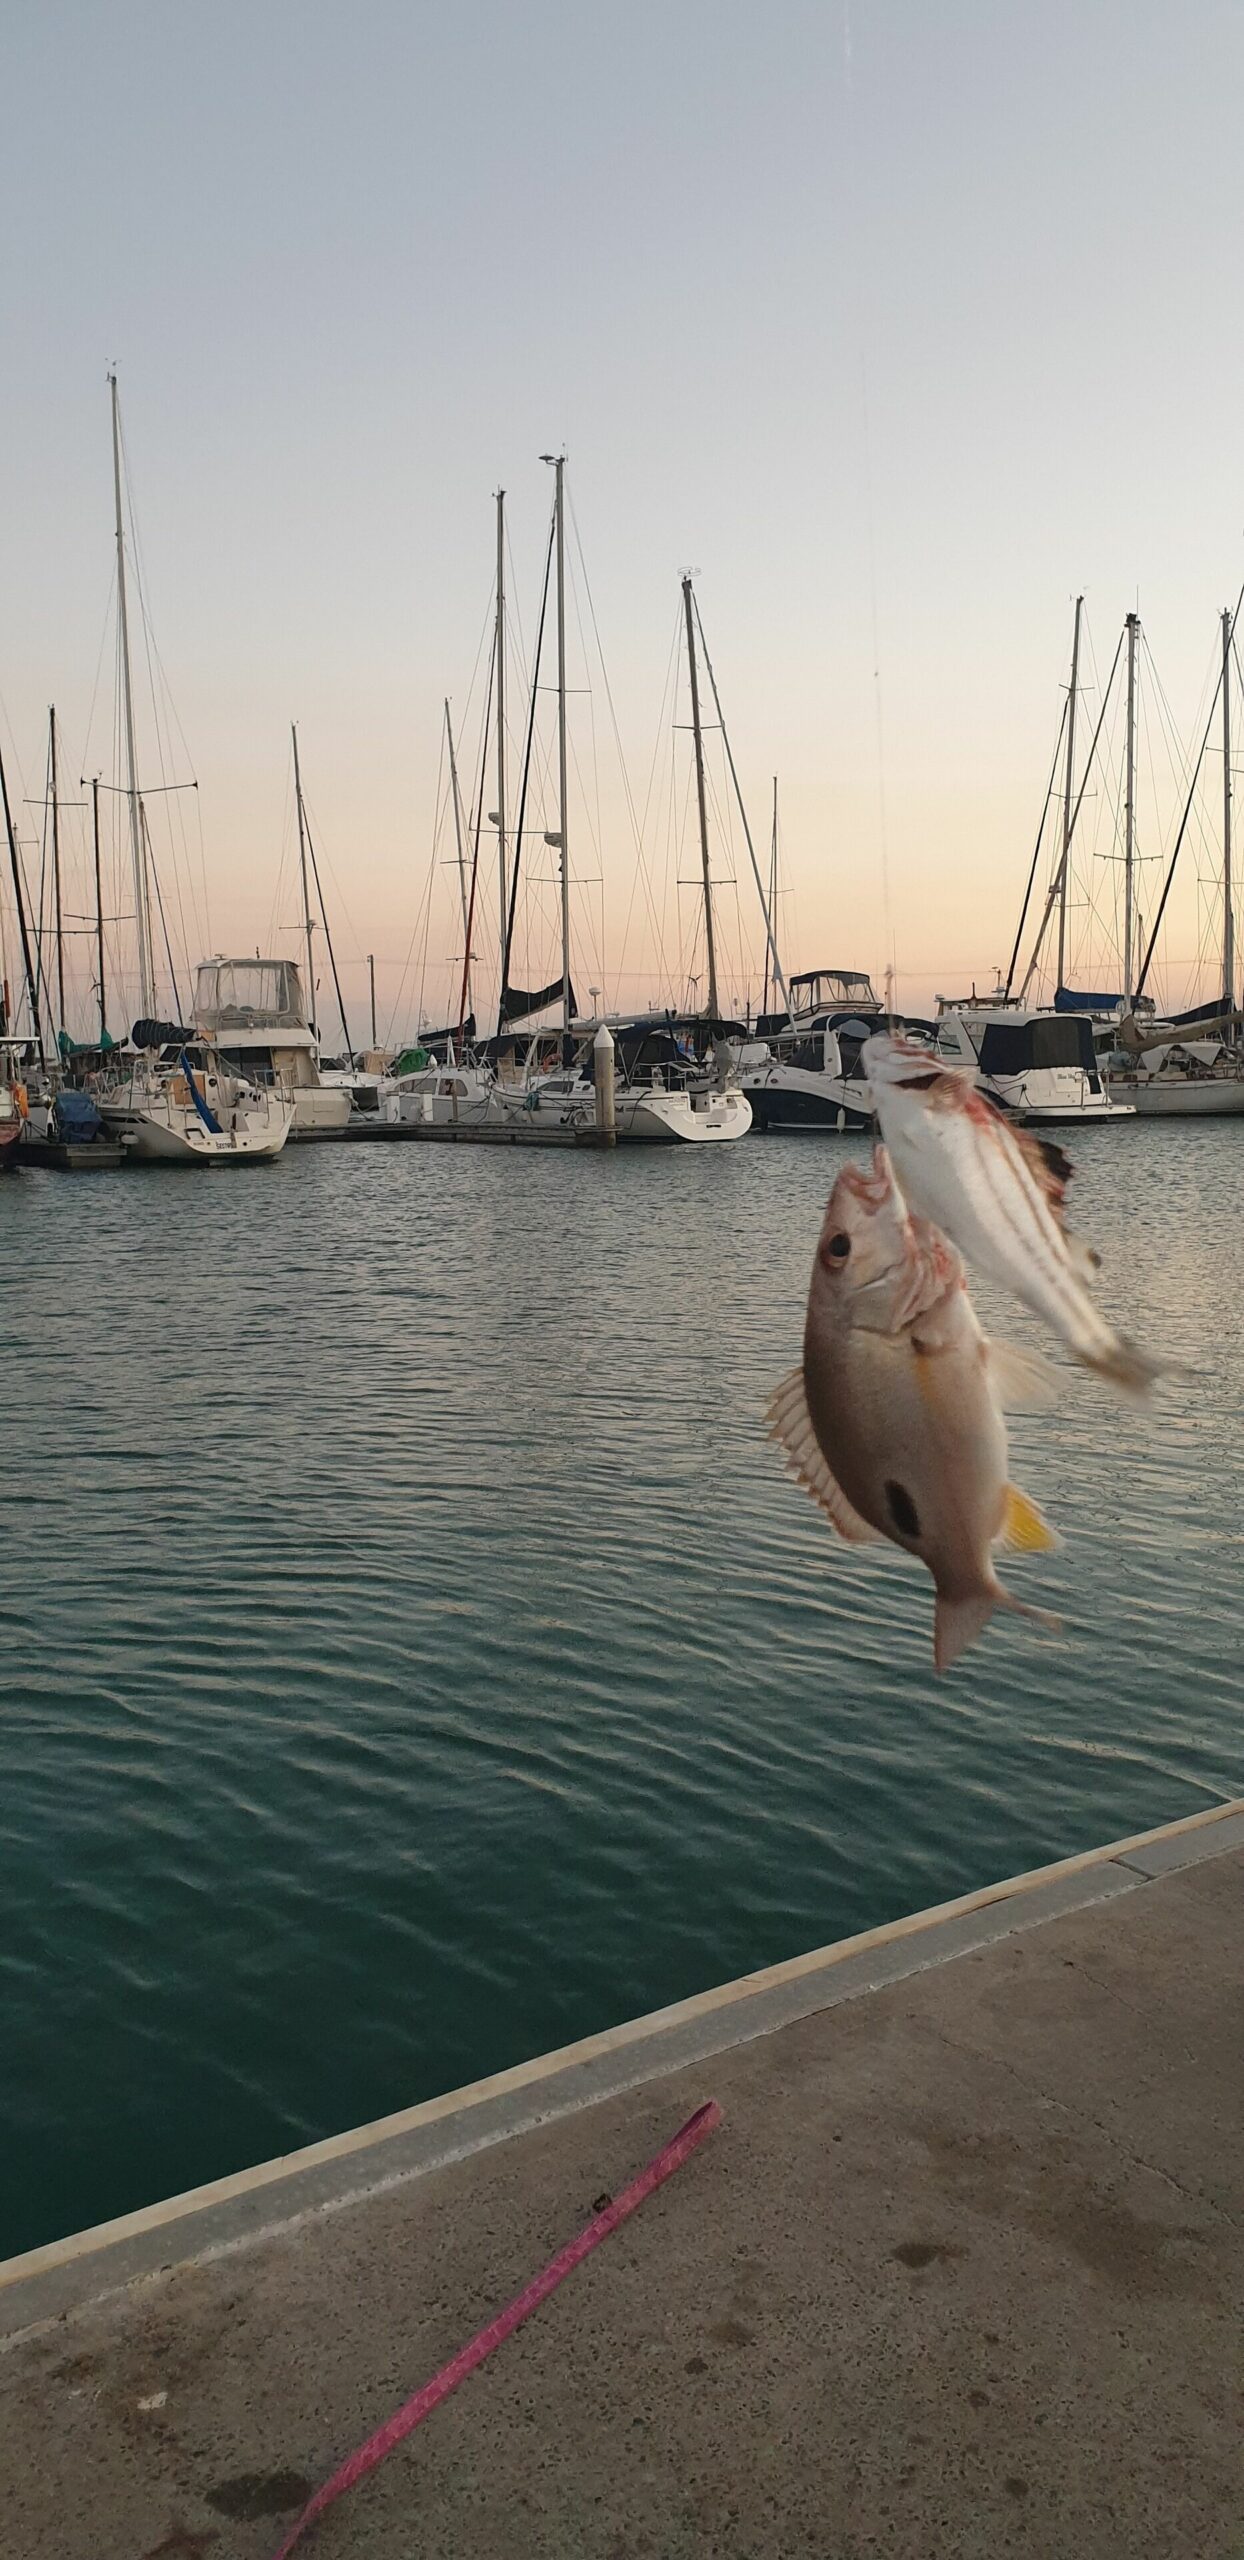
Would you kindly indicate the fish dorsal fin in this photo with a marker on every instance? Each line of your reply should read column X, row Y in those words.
column 1051, row 1170
column 1020, row 1380
column 790, row 1424
column 1025, row 1530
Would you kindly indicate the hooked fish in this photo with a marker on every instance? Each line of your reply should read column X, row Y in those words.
column 893, row 1422
column 999, row 1194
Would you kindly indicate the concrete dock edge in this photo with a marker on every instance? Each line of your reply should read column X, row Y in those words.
column 231, row 2212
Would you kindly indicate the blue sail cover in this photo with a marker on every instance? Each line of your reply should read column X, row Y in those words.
column 1072, row 1000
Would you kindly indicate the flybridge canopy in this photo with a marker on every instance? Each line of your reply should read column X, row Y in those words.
column 244, row 994
column 836, row 986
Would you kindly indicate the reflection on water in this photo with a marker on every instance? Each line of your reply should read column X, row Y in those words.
column 416, row 1656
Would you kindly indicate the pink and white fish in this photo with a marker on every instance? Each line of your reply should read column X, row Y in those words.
column 998, row 1195
column 893, row 1421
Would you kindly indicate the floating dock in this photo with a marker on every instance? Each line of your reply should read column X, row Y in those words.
column 959, row 2276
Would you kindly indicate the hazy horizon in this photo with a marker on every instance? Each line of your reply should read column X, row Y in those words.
column 901, row 330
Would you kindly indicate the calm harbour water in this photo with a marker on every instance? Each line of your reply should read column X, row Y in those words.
column 415, row 1656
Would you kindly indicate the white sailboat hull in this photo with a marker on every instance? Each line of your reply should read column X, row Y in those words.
column 1184, row 1098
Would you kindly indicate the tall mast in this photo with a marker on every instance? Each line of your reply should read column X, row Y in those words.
column 99, row 909
column 60, row 921
column 502, row 866
column 559, row 466
column 1129, row 819
column 699, row 785
column 28, row 963
column 142, row 919
column 1228, row 918
column 306, row 892
column 1067, row 787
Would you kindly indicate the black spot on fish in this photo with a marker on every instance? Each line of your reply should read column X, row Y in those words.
column 903, row 1511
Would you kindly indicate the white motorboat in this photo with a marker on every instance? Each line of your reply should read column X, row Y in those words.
column 804, row 1070
column 664, row 1093
column 257, row 1014
column 179, row 1104
column 1038, row 1065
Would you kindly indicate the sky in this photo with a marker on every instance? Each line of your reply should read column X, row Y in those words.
column 900, row 326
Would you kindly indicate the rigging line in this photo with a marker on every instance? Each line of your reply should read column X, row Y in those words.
column 725, row 740
column 1166, row 885
column 425, row 898
column 522, row 798
column 1057, row 881
column 151, row 864
column 1036, row 850
column 20, row 905
column 332, row 956
column 485, row 744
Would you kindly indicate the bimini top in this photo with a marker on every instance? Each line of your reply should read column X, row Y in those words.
column 838, row 986
column 250, row 995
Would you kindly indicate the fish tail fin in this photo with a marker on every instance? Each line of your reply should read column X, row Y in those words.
column 1125, row 1366
column 1024, row 1609
column 957, row 1623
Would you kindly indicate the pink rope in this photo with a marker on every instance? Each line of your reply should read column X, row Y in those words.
column 414, row 2410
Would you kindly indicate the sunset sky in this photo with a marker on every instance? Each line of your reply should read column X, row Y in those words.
column 899, row 325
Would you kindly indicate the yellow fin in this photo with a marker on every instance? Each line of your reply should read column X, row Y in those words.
column 1024, row 1529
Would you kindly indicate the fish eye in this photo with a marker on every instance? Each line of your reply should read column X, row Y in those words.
column 839, row 1246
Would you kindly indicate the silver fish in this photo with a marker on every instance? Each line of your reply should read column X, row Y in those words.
column 999, row 1195
column 893, row 1422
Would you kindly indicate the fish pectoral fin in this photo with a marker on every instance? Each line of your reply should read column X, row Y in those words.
column 957, row 1624
column 1021, row 1381
column 790, row 1424
column 1025, row 1531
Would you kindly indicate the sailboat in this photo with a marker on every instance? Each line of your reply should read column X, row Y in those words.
column 1188, row 1067
column 666, row 1092
column 175, row 1101
column 1039, row 1062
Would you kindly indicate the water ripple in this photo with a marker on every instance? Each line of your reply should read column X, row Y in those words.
column 417, row 1657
